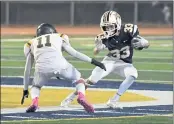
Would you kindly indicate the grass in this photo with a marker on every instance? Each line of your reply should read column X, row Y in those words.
column 157, row 59
column 116, row 120
column 153, row 64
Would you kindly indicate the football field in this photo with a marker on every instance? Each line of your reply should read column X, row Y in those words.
column 149, row 100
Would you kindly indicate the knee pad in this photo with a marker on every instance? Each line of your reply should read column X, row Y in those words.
column 37, row 86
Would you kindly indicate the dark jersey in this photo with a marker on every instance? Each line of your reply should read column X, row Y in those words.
column 120, row 47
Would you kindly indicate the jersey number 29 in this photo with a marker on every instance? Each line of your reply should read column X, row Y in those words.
column 40, row 45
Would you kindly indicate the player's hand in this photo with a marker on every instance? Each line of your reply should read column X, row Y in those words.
column 137, row 44
column 25, row 95
column 96, row 51
column 58, row 78
column 99, row 64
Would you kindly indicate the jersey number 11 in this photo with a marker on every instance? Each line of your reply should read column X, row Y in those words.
column 40, row 45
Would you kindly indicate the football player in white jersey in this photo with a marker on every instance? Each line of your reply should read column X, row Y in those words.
column 120, row 40
column 46, row 50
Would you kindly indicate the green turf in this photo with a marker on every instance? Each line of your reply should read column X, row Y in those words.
column 128, row 120
column 139, row 66
column 143, row 75
column 154, row 63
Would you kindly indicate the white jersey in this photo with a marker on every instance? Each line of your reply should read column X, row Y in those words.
column 47, row 51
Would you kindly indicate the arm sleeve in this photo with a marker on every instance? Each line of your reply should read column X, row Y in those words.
column 75, row 53
column 28, row 66
column 27, row 49
column 65, row 39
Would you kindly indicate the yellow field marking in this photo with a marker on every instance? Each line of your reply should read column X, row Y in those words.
column 10, row 97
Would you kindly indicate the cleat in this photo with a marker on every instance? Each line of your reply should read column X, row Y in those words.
column 82, row 101
column 66, row 102
column 32, row 108
column 113, row 104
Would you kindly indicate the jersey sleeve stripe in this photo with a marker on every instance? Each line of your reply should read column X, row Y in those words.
column 135, row 29
column 29, row 44
column 61, row 35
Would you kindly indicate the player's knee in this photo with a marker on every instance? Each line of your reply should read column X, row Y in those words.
column 132, row 73
column 92, row 80
column 81, row 80
column 36, row 86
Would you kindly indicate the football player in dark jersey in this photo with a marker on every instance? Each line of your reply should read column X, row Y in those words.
column 120, row 40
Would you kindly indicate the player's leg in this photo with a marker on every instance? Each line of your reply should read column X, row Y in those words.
column 73, row 74
column 97, row 74
column 129, row 72
column 39, row 80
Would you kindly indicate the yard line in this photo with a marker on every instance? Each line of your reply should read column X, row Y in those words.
column 81, row 69
column 16, row 55
column 79, row 61
column 85, row 38
column 105, row 79
column 26, row 39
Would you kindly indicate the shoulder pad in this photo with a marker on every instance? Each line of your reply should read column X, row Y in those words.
column 65, row 38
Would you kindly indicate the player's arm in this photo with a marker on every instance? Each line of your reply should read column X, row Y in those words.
column 27, row 70
column 65, row 38
column 138, row 42
column 70, row 50
column 28, row 65
column 99, row 46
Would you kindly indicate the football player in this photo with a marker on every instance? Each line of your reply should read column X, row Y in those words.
column 46, row 50
column 120, row 40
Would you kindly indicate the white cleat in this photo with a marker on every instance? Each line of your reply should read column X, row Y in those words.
column 66, row 102
column 113, row 104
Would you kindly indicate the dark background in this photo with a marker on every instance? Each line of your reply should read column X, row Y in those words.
column 84, row 12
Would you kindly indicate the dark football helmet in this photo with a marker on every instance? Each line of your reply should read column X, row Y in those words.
column 45, row 28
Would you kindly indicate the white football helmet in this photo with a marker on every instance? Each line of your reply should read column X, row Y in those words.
column 110, row 23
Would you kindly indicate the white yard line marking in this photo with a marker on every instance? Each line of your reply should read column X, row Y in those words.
column 15, row 55
column 85, row 69
column 169, row 38
column 24, row 117
column 152, row 110
column 78, row 61
column 26, row 39
column 75, row 115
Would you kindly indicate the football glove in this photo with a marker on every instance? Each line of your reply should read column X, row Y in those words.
column 99, row 64
column 25, row 95
column 137, row 44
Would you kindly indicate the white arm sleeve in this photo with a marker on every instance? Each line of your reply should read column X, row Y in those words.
column 27, row 49
column 66, row 39
column 70, row 50
column 28, row 66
